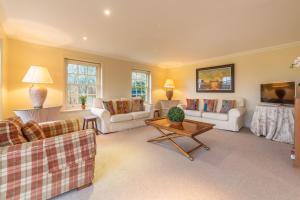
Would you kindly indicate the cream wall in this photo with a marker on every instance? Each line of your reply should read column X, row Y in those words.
column 116, row 74
column 3, row 81
column 251, row 69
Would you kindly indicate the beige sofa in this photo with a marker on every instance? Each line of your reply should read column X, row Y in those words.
column 112, row 123
column 232, row 121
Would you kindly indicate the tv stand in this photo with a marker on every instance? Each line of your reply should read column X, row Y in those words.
column 275, row 122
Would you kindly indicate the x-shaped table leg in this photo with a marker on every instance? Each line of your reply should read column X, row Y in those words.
column 170, row 137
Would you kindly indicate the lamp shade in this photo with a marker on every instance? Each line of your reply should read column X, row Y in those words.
column 37, row 74
column 169, row 84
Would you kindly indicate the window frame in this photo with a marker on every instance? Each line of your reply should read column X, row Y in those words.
column 148, row 90
column 99, row 89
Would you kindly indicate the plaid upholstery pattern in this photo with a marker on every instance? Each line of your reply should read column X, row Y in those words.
column 17, row 120
column 32, row 131
column 10, row 134
column 45, row 168
column 55, row 128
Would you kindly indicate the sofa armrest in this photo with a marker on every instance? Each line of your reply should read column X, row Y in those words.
column 236, row 112
column 149, row 108
column 103, row 114
column 60, row 127
column 183, row 107
column 48, row 155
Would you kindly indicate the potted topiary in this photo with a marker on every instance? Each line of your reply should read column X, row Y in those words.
column 176, row 116
column 83, row 101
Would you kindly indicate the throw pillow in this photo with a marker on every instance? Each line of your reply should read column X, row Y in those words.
column 192, row 104
column 10, row 134
column 137, row 105
column 108, row 105
column 17, row 120
column 33, row 131
column 210, row 105
column 227, row 105
column 122, row 107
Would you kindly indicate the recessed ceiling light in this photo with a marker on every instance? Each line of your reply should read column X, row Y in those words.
column 84, row 38
column 107, row 12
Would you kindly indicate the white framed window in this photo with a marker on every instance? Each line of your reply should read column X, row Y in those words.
column 82, row 78
column 141, row 85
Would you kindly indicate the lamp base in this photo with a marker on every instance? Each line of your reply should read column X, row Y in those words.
column 38, row 96
column 169, row 94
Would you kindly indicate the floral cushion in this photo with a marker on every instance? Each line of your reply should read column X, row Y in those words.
column 10, row 134
column 123, row 107
column 227, row 105
column 32, row 131
column 192, row 104
column 137, row 105
column 210, row 105
column 109, row 106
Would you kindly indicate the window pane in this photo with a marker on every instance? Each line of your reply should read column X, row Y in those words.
column 91, row 90
column 72, row 94
column 90, row 98
column 91, row 79
column 92, row 70
column 82, row 79
column 82, row 69
column 72, row 68
column 72, row 79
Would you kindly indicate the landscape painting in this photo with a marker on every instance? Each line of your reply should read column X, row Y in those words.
column 215, row 79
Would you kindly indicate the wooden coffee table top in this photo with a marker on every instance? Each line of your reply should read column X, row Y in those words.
column 189, row 127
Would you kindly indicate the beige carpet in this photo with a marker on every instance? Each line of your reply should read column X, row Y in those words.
column 238, row 166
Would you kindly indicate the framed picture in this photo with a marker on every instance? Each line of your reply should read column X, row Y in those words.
column 215, row 79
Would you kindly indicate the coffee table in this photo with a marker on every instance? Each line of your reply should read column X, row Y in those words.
column 189, row 128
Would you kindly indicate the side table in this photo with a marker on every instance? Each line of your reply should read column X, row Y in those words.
column 93, row 120
column 274, row 122
column 39, row 114
column 165, row 105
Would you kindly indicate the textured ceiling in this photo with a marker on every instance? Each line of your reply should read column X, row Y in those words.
column 167, row 33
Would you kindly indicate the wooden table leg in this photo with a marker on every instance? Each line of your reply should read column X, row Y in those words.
column 201, row 143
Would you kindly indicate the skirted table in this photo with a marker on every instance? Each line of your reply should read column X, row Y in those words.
column 274, row 122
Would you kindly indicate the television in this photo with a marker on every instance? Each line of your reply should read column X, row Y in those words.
column 281, row 93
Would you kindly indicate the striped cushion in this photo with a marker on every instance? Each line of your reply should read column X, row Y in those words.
column 108, row 105
column 55, row 128
column 210, row 105
column 32, row 131
column 17, row 120
column 10, row 134
column 227, row 105
column 192, row 104
column 123, row 107
column 137, row 105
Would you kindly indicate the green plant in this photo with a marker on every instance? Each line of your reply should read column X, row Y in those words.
column 176, row 114
column 82, row 99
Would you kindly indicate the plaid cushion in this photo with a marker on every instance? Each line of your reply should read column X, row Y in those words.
column 55, row 128
column 108, row 105
column 210, row 105
column 17, row 120
column 137, row 105
column 45, row 168
column 123, row 107
column 10, row 134
column 192, row 104
column 227, row 105
column 32, row 131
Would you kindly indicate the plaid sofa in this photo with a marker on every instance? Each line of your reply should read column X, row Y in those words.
column 45, row 168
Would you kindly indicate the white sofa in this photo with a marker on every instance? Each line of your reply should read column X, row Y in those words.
column 108, row 123
column 232, row 121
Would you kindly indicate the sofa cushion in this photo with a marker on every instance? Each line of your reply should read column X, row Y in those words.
column 192, row 104
column 227, row 105
column 140, row 114
column 17, row 120
column 137, row 105
column 193, row 113
column 216, row 116
column 121, row 117
column 10, row 134
column 32, row 131
column 210, row 105
column 123, row 106
column 108, row 105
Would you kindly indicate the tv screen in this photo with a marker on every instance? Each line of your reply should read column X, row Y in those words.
column 283, row 93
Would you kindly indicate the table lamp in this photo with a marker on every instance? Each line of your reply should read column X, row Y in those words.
column 37, row 75
column 169, row 85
